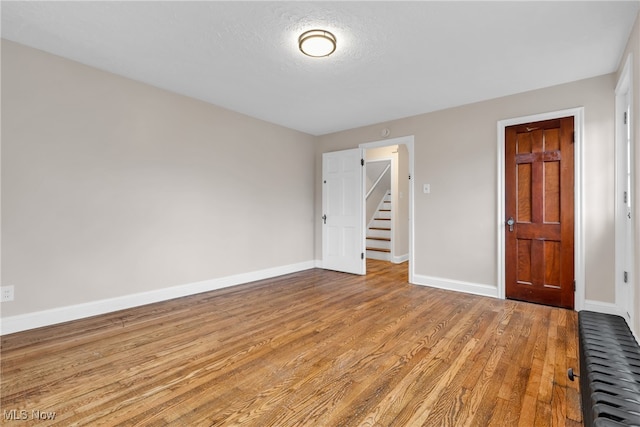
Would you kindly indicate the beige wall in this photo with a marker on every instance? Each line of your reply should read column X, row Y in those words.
column 456, row 152
column 111, row 187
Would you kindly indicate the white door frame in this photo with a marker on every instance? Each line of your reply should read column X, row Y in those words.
column 579, row 256
column 625, row 231
column 408, row 141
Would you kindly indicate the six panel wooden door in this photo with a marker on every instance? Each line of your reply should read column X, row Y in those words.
column 539, row 207
column 343, row 211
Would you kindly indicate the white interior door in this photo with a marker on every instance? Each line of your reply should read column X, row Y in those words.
column 343, row 211
column 624, row 200
column 624, row 223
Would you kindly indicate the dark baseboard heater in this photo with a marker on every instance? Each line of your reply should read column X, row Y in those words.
column 610, row 371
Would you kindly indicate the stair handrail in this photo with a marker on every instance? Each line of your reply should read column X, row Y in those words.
column 373, row 187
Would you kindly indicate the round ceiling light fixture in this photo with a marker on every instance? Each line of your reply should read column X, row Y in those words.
column 317, row 43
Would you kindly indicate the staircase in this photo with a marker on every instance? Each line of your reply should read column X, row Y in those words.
column 379, row 231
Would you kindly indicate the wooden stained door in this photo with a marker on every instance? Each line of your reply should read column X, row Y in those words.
column 539, row 207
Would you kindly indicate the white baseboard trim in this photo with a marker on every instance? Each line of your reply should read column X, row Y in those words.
column 456, row 285
column 399, row 259
column 23, row 322
column 601, row 307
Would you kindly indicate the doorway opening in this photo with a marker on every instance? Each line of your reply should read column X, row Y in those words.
column 343, row 206
column 503, row 222
column 388, row 201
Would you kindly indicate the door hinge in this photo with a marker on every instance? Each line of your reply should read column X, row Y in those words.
column 361, row 162
column 625, row 117
column 573, row 137
column 409, row 176
column 361, row 255
column 574, row 286
column 625, row 277
column 625, row 197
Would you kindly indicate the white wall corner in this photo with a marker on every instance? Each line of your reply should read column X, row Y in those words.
column 456, row 285
column 23, row 322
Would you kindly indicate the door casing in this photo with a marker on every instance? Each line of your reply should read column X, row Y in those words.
column 578, row 123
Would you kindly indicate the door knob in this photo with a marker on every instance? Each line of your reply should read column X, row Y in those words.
column 510, row 223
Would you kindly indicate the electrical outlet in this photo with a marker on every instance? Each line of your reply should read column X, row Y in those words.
column 6, row 293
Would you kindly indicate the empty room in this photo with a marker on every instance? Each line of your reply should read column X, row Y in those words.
column 273, row 213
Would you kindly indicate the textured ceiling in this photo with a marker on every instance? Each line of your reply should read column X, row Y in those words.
column 394, row 59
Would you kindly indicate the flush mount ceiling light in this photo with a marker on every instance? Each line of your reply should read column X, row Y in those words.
column 317, row 43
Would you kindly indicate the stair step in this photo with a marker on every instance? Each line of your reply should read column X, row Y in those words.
column 382, row 256
column 378, row 234
column 384, row 239
column 379, row 231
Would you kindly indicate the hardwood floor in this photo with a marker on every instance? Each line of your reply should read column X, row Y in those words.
column 315, row 348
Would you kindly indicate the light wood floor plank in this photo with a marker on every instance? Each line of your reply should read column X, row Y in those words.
column 314, row 348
